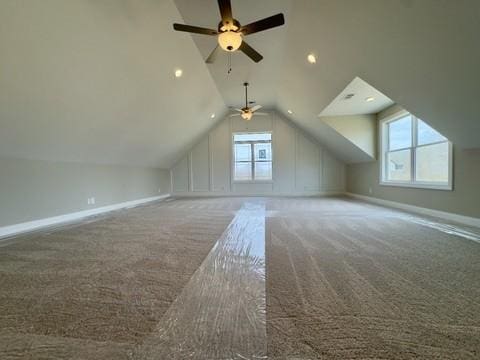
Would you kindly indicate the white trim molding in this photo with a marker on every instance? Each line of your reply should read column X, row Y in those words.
column 383, row 150
column 11, row 230
column 462, row 219
column 258, row 194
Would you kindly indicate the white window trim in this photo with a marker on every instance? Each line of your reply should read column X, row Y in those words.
column 253, row 181
column 382, row 134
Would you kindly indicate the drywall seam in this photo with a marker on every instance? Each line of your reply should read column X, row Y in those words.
column 15, row 229
column 462, row 219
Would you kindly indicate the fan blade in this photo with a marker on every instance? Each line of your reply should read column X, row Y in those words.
column 264, row 24
column 239, row 110
column 250, row 52
column 213, row 55
column 232, row 115
column 225, row 11
column 255, row 108
column 194, row 29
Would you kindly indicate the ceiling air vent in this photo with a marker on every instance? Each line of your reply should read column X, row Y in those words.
column 348, row 96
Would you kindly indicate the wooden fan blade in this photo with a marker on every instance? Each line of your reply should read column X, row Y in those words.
column 264, row 24
column 225, row 11
column 256, row 107
column 250, row 52
column 213, row 55
column 194, row 29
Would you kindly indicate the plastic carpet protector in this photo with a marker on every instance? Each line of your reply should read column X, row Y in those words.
column 445, row 228
column 221, row 313
column 450, row 229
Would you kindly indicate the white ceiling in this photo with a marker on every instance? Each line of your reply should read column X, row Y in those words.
column 93, row 80
column 343, row 104
column 263, row 76
column 422, row 54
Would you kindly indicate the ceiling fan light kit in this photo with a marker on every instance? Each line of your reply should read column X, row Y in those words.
column 247, row 112
column 230, row 40
column 230, row 33
column 246, row 115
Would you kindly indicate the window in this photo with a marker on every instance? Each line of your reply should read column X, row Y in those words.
column 414, row 154
column 252, row 157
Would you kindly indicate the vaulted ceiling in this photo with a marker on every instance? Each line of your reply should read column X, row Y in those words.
column 93, row 80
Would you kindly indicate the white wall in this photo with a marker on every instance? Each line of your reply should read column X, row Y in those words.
column 464, row 199
column 300, row 165
column 361, row 130
column 35, row 189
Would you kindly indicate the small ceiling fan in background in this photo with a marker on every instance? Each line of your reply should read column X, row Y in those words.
column 247, row 112
column 230, row 32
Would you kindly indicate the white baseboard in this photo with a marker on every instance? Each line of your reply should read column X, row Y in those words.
column 188, row 194
column 462, row 219
column 12, row 230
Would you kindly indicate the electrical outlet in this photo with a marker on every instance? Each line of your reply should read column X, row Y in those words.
column 370, row 190
column 159, row 190
column 92, row 200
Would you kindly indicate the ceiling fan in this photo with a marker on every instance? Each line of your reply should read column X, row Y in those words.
column 247, row 112
column 230, row 33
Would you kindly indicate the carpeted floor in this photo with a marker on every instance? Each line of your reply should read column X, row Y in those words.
column 95, row 290
column 348, row 280
column 344, row 280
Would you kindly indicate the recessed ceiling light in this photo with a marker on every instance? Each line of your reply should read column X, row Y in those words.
column 212, row 116
column 178, row 73
column 290, row 112
column 311, row 59
column 370, row 98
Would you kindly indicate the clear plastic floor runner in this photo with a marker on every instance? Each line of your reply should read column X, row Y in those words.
column 220, row 314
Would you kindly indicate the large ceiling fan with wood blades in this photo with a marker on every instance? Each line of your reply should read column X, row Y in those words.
column 230, row 32
column 247, row 112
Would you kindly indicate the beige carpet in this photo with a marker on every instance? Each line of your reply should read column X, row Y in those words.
column 95, row 290
column 347, row 280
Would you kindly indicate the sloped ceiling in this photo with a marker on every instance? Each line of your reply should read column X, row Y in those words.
column 93, row 81
column 357, row 104
column 264, row 76
column 423, row 54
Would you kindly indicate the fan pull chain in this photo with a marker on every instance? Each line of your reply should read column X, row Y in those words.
column 229, row 63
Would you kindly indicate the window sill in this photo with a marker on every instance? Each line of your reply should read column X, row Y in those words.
column 448, row 187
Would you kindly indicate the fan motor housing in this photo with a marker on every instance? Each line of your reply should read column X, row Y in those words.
column 227, row 26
